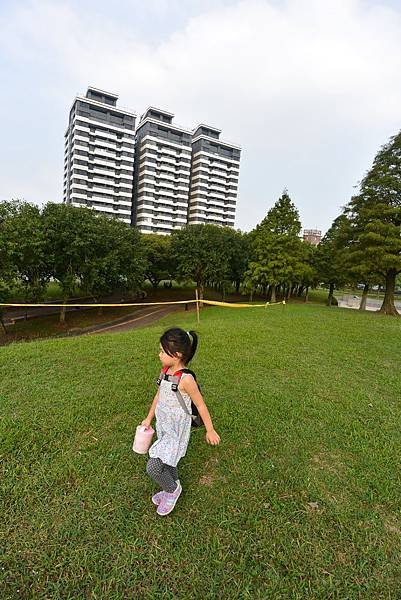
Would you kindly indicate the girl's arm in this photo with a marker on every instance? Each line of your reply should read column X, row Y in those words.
column 152, row 410
column 190, row 387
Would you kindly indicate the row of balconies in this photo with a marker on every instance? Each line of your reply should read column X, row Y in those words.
column 174, row 210
column 90, row 183
column 203, row 170
column 103, row 190
column 86, row 133
column 200, row 157
column 124, row 204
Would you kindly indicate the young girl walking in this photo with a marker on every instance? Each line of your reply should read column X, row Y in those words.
column 173, row 423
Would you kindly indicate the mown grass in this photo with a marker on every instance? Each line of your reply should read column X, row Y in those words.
column 301, row 499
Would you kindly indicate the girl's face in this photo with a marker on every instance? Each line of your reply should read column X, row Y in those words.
column 166, row 360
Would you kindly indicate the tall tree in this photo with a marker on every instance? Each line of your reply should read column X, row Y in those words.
column 27, row 249
column 376, row 215
column 239, row 251
column 276, row 248
column 8, row 274
column 330, row 259
column 201, row 254
column 114, row 260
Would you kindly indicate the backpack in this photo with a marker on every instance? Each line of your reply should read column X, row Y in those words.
column 175, row 380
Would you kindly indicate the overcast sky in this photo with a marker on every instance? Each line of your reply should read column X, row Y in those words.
column 310, row 88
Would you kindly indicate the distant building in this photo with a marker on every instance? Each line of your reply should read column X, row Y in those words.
column 313, row 236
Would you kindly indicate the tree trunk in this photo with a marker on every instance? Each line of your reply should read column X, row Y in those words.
column 388, row 307
column 362, row 305
column 2, row 323
column 300, row 291
column 237, row 284
column 306, row 294
column 62, row 312
column 331, row 294
column 273, row 298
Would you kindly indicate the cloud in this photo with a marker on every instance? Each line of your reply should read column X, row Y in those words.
column 309, row 88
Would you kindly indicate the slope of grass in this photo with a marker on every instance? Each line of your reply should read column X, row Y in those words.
column 301, row 499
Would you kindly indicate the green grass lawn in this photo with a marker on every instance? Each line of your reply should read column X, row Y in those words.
column 301, row 499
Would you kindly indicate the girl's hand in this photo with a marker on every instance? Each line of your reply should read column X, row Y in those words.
column 212, row 437
column 146, row 422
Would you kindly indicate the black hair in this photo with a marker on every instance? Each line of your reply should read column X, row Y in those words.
column 177, row 340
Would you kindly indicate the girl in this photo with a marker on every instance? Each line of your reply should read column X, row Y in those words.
column 173, row 424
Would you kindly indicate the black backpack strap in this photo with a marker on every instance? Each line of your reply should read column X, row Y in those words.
column 162, row 376
column 194, row 414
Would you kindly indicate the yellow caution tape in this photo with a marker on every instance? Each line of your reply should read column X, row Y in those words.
column 99, row 305
column 211, row 302
column 238, row 305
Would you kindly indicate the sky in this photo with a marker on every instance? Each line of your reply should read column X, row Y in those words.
column 310, row 89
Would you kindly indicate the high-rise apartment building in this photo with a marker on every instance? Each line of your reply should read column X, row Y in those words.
column 99, row 155
column 162, row 173
column 157, row 177
column 214, row 178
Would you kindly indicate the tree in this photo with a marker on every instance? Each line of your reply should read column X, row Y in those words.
column 358, row 267
column 67, row 245
column 27, row 249
column 114, row 260
column 376, row 216
column 7, row 269
column 159, row 264
column 330, row 260
column 201, row 255
column 237, row 244
column 308, row 276
column 276, row 249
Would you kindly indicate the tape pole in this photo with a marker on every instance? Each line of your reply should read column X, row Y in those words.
column 197, row 305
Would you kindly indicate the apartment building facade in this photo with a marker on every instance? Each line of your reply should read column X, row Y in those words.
column 99, row 155
column 162, row 173
column 214, row 178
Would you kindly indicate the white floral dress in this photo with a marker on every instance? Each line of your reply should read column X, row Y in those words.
column 173, row 425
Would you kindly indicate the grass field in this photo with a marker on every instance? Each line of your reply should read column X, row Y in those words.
column 301, row 499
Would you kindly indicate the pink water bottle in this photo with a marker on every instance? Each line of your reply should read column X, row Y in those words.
column 143, row 439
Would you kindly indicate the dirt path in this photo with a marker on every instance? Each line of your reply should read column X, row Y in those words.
column 148, row 316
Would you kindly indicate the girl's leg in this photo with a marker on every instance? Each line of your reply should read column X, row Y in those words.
column 157, row 471
column 173, row 471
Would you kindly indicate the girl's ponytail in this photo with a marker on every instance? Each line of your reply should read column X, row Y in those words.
column 194, row 344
